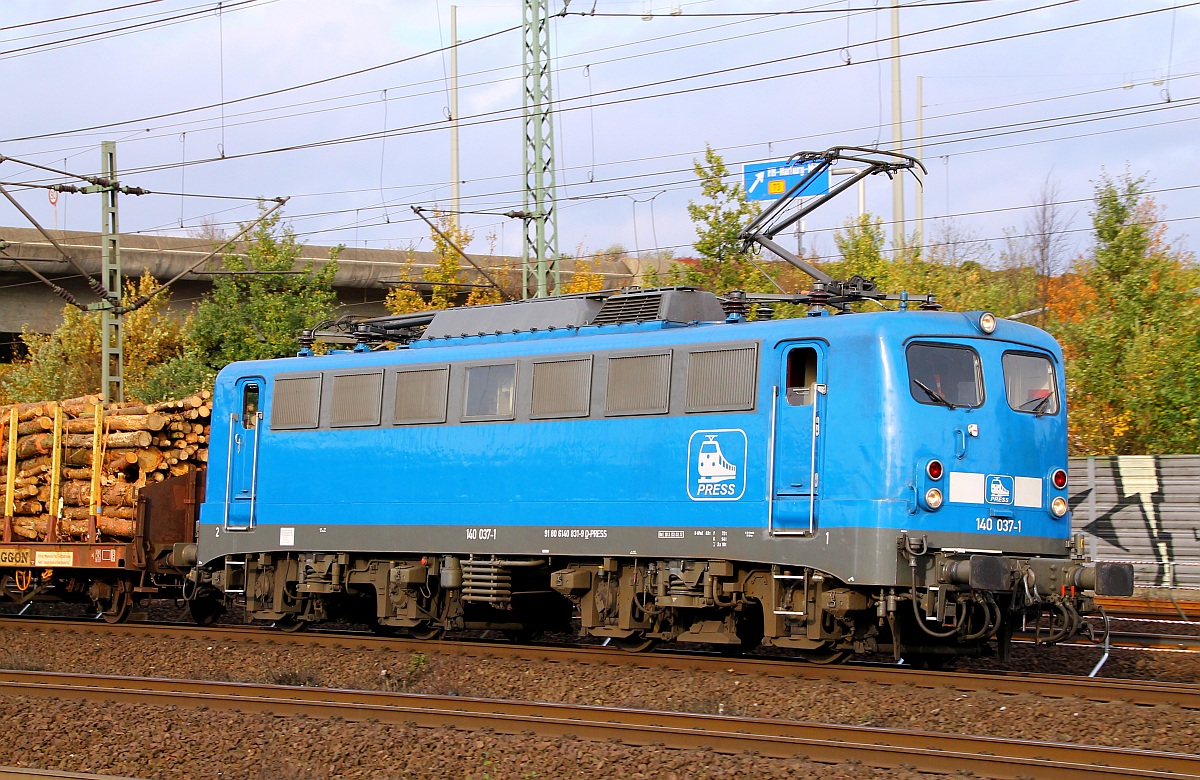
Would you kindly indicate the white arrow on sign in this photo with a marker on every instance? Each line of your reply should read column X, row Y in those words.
column 758, row 178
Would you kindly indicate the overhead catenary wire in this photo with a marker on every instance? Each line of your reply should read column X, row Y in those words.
column 59, row 291
column 655, row 183
column 78, row 15
column 501, row 114
column 438, row 81
column 563, row 59
column 142, row 300
column 746, row 14
column 955, row 153
column 260, row 95
column 87, row 37
column 94, row 285
column 511, row 115
column 693, row 153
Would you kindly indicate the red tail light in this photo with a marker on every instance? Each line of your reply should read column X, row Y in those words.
column 1059, row 478
column 935, row 470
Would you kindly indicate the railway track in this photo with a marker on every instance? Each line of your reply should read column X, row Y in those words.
column 27, row 773
column 1152, row 608
column 873, row 747
column 1012, row 683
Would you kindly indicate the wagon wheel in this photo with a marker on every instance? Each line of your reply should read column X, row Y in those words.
column 117, row 606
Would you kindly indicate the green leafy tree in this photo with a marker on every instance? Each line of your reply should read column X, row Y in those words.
column 1133, row 372
column 953, row 265
column 257, row 310
column 723, row 264
column 62, row 364
column 860, row 245
column 66, row 362
column 446, row 279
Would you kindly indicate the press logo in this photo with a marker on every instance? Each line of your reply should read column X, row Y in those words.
column 717, row 465
column 999, row 489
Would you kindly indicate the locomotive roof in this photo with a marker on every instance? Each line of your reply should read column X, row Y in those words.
column 667, row 304
column 549, row 327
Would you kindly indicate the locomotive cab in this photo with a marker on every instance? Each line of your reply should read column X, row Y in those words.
column 963, row 498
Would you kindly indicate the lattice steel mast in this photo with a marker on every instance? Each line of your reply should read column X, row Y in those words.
column 112, row 348
column 540, row 253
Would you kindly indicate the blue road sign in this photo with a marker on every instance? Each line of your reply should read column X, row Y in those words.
column 770, row 180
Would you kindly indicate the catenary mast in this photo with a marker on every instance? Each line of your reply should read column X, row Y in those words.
column 540, row 272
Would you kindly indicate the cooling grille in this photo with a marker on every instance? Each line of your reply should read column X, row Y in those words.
column 631, row 307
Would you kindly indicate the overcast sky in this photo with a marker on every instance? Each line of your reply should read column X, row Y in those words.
column 1014, row 91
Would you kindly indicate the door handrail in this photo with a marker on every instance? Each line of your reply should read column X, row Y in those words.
column 229, row 471
column 771, row 462
column 258, row 416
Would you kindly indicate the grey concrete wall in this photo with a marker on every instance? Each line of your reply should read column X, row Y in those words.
column 1144, row 509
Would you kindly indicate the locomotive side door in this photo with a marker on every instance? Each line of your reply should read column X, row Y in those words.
column 799, row 401
column 241, row 485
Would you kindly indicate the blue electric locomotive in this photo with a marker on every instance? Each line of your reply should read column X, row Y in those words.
column 658, row 469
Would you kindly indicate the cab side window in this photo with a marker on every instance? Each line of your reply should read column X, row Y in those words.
column 250, row 406
column 801, row 376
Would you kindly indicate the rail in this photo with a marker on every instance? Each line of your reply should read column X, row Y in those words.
column 1015, row 683
column 824, row 743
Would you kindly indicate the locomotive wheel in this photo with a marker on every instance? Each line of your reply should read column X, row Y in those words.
column 426, row 633
column 291, row 624
column 205, row 611
column 382, row 629
column 827, row 656
column 930, row 661
column 749, row 632
column 523, row 636
column 633, row 644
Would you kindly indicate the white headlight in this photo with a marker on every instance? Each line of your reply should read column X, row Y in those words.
column 987, row 322
column 1058, row 507
column 933, row 498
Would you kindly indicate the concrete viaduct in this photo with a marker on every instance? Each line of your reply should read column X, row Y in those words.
column 363, row 278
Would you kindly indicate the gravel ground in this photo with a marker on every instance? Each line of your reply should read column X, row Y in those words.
column 175, row 743
column 153, row 742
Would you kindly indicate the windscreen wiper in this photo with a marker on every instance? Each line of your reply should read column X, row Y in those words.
column 1040, row 408
column 934, row 395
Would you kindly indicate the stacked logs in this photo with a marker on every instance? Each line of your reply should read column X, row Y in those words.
column 139, row 444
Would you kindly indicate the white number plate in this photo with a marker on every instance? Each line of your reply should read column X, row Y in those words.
column 1001, row 525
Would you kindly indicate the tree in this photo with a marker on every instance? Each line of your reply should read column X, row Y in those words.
column 1132, row 339
column 953, row 265
column 1047, row 241
column 257, row 309
column 445, row 279
column 66, row 362
column 723, row 264
column 585, row 278
column 860, row 244
column 62, row 364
